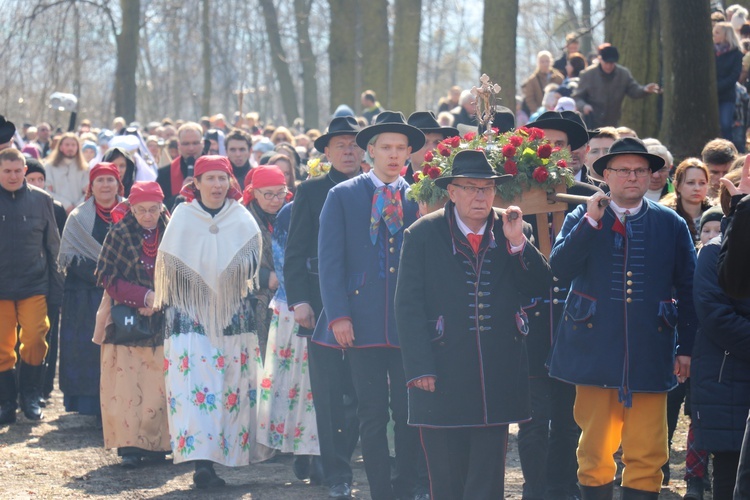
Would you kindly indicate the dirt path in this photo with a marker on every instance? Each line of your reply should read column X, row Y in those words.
column 62, row 457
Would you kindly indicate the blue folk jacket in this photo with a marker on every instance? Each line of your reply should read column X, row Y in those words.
column 620, row 327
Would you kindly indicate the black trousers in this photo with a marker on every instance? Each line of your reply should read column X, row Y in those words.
column 335, row 411
column 50, row 361
column 547, row 443
column 725, row 474
column 466, row 463
column 742, row 486
column 378, row 375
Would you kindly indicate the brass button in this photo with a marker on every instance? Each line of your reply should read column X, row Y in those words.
column 392, row 270
column 628, row 291
column 555, row 301
column 391, row 239
column 630, row 282
column 481, row 318
column 630, row 274
column 481, row 306
column 392, row 250
column 356, row 292
column 481, row 328
column 556, row 289
column 629, row 300
column 590, row 325
column 554, row 278
column 481, row 294
column 537, row 313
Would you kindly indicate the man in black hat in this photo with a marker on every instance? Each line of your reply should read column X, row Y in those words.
column 330, row 377
column 7, row 131
column 627, row 331
column 602, row 88
column 433, row 134
column 359, row 245
column 466, row 367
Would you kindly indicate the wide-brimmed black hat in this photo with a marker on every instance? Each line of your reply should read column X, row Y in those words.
column 577, row 135
column 7, row 130
column 428, row 124
column 628, row 146
column 394, row 122
column 576, row 117
column 471, row 164
column 342, row 125
column 504, row 120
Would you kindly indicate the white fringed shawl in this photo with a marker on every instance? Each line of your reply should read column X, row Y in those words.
column 205, row 265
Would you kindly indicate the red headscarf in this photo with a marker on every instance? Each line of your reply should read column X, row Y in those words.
column 207, row 164
column 261, row 177
column 101, row 169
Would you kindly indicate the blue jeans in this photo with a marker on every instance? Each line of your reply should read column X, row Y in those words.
column 726, row 119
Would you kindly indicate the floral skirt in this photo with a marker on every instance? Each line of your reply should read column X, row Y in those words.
column 286, row 414
column 212, row 388
column 133, row 399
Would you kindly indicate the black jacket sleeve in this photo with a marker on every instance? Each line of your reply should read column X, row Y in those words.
column 734, row 264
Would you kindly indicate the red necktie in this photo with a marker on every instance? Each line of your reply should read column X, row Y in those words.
column 474, row 240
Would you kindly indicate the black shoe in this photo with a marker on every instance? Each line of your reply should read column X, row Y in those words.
column 31, row 390
column 301, row 467
column 317, row 477
column 207, row 478
column 694, row 489
column 631, row 494
column 8, row 397
column 130, row 461
column 603, row 492
column 340, row 491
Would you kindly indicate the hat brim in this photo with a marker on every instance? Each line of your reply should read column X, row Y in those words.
column 446, row 131
column 654, row 162
column 442, row 182
column 321, row 143
column 7, row 131
column 577, row 135
column 413, row 134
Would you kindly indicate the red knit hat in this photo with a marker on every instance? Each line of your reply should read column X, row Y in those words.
column 212, row 162
column 104, row 168
column 145, row 191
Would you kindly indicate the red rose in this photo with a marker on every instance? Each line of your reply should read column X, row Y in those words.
column 510, row 167
column 232, row 399
column 416, row 177
column 181, row 443
column 433, row 172
column 185, row 362
column 309, row 395
column 243, row 358
column 280, row 428
column 562, row 163
column 200, row 397
column 297, row 432
column 428, row 156
column 544, row 151
column 220, row 361
column 444, row 150
column 535, row 133
column 509, row 151
column 455, row 141
column 495, row 130
column 540, row 174
column 469, row 136
column 523, row 131
column 292, row 393
column 266, row 383
column 515, row 140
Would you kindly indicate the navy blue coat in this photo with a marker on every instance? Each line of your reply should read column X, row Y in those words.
column 620, row 323
column 728, row 69
column 720, row 370
column 357, row 278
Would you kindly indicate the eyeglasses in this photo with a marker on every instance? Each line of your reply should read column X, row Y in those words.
column 475, row 190
column 270, row 196
column 153, row 211
column 624, row 173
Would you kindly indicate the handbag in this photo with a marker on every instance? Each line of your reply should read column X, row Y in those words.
column 129, row 325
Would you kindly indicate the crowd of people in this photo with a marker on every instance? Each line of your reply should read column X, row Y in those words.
column 221, row 294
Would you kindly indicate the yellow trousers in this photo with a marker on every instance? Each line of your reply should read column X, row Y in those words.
column 605, row 423
column 31, row 314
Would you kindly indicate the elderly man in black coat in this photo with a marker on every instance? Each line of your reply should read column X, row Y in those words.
column 462, row 330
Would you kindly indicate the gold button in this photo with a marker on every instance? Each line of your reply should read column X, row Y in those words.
column 481, row 318
column 628, row 291
column 391, row 240
column 629, row 300
column 630, row 274
column 392, row 250
column 554, row 278
column 392, row 270
column 481, row 306
column 356, row 292
column 555, row 301
column 590, row 325
column 556, row 289
column 481, row 328
column 537, row 313
column 629, row 282
column 481, row 294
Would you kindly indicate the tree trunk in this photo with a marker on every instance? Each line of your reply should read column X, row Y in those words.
column 375, row 48
column 406, row 55
column 342, row 54
column 280, row 63
column 307, row 58
column 499, row 47
column 691, row 113
column 634, row 30
column 586, row 41
column 206, row 56
column 127, row 57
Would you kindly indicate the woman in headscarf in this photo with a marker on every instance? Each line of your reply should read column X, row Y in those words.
column 209, row 254
column 125, row 164
column 80, row 245
column 265, row 193
column 133, row 397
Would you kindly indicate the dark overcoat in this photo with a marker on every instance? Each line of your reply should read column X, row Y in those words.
column 460, row 319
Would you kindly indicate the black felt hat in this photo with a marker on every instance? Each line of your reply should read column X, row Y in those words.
column 7, row 130
column 575, row 116
column 342, row 125
column 577, row 134
column 628, row 146
column 471, row 164
column 394, row 122
column 428, row 124
column 504, row 119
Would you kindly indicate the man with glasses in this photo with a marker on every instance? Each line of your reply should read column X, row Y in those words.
column 629, row 310
column 466, row 366
column 190, row 146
